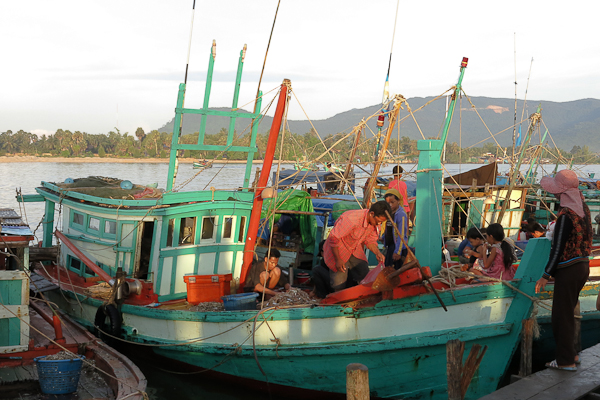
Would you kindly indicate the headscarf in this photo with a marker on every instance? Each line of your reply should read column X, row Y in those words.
column 566, row 184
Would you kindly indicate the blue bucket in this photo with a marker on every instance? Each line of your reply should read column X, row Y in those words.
column 58, row 376
column 242, row 301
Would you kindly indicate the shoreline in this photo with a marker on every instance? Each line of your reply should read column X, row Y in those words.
column 112, row 160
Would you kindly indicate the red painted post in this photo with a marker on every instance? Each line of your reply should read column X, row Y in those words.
column 262, row 182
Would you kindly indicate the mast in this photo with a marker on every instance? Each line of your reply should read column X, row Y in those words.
column 262, row 181
column 368, row 194
column 428, row 232
column 171, row 182
column 386, row 86
column 535, row 118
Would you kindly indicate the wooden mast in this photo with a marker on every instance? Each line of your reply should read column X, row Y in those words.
column 368, row 195
column 262, row 181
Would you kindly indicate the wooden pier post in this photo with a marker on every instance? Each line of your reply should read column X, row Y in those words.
column 357, row 382
column 454, row 355
column 526, row 347
column 459, row 376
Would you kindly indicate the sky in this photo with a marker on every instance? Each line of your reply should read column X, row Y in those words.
column 94, row 66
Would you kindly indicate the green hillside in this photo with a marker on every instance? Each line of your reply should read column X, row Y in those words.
column 569, row 123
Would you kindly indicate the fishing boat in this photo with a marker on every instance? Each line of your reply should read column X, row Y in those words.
column 146, row 249
column 202, row 164
column 32, row 328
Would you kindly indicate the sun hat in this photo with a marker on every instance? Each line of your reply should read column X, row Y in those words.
column 395, row 192
column 565, row 183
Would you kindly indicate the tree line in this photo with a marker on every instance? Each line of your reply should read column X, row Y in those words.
column 307, row 146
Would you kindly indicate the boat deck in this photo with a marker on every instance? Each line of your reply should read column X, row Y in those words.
column 22, row 383
column 553, row 384
column 114, row 373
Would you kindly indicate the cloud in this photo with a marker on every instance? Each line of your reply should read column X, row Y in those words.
column 42, row 132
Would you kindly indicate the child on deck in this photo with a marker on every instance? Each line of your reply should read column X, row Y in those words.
column 476, row 238
column 498, row 264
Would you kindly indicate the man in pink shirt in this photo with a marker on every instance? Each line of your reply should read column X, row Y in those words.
column 344, row 248
column 400, row 186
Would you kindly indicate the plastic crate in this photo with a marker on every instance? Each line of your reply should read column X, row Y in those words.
column 242, row 301
column 58, row 376
column 203, row 288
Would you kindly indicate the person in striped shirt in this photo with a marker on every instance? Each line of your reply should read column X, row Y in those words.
column 344, row 252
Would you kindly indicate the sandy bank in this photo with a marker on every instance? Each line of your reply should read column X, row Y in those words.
column 29, row 159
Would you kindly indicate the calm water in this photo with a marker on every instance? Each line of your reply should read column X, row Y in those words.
column 163, row 385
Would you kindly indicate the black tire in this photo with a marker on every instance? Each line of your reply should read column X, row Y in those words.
column 108, row 320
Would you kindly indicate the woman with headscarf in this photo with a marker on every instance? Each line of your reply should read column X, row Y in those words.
column 568, row 264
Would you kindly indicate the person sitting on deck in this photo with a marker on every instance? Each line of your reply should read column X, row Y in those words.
column 400, row 185
column 344, row 248
column 476, row 238
column 499, row 264
column 395, row 250
column 265, row 276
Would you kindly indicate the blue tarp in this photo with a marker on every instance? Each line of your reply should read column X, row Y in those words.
column 289, row 177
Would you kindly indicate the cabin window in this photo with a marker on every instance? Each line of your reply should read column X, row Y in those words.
column 110, row 227
column 242, row 227
column 94, row 224
column 187, row 231
column 74, row 264
column 208, row 227
column 170, row 233
column 78, row 219
column 228, row 228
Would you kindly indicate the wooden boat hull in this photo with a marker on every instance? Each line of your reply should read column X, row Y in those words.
column 401, row 341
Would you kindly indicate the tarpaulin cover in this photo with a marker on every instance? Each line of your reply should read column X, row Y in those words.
column 485, row 174
column 288, row 177
column 342, row 206
column 295, row 200
column 326, row 204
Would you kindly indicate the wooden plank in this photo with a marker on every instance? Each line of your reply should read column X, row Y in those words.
column 553, row 384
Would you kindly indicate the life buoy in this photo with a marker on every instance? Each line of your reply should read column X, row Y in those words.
column 108, row 320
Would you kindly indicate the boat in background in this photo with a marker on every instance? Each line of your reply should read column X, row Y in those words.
column 202, row 164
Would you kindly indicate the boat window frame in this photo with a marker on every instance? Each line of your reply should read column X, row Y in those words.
column 215, row 224
column 85, row 227
column 232, row 231
column 83, row 269
column 241, row 229
column 76, row 225
column 192, row 235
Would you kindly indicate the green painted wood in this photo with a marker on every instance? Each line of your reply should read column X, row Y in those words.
column 175, row 138
column 455, row 95
column 244, row 201
column 255, row 123
column 236, row 94
column 219, row 113
column 475, row 215
column 209, row 78
column 11, row 332
column 30, row 198
column 206, row 147
column 429, row 205
column 48, row 224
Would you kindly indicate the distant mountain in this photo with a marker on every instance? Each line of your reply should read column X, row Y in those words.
column 570, row 123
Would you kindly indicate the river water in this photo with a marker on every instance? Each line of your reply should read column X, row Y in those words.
column 163, row 385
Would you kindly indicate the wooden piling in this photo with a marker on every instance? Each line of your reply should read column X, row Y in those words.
column 357, row 382
column 454, row 355
column 459, row 376
column 526, row 347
